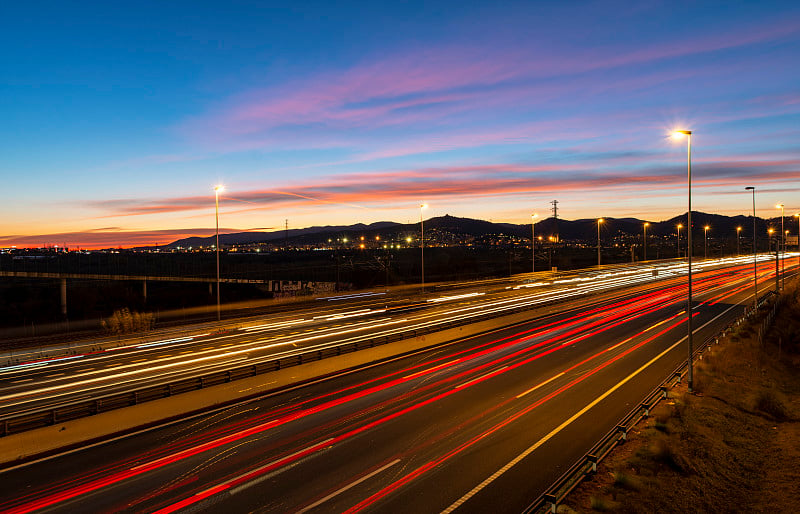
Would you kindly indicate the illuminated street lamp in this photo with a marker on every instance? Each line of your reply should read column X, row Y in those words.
column 217, row 190
column 599, row 221
column 533, row 243
column 755, row 258
column 646, row 224
column 705, row 243
column 738, row 247
column 422, row 207
column 680, row 226
column 782, row 249
column 677, row 135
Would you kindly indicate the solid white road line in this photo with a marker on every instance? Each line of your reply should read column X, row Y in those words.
column 575, row 416
column 348, row 486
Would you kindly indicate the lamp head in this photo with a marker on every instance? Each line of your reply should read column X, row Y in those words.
column 680, row 225
column 600, row 220
column 219, row 188
column 779, row 206
column 423, row 206
column 679, row 134
column 749, row 188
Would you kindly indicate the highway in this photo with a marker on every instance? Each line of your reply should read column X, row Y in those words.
column 337, row 320
column 482, row 424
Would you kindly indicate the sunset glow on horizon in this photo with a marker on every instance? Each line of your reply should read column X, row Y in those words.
column 120, row 121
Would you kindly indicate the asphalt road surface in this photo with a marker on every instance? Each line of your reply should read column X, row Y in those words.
column 483, row 424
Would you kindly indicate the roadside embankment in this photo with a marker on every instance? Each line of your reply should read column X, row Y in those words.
column 733, row 445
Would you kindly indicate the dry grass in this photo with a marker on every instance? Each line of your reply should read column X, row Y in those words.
column 733, row 446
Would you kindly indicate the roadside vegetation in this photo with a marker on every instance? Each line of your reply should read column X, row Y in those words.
column 732, row 446
column 125, row 321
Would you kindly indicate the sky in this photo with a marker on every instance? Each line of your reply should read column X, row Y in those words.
column 119, row 118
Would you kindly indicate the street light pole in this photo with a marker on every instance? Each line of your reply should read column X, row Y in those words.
column 422, row 207
column 533, row 242
column 688, row 134
column 646, row 224
column 217, row 190
column 599, row 221
column 782, row 248
column 680, row 226
column 777, row 262
column 738, row 246
column 705, row 241
column 755, row 258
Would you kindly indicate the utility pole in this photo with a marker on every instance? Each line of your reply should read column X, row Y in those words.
column 555, row 217
column 286, row 236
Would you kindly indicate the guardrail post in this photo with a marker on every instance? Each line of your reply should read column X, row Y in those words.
column 5, row 428
column 664, row 391
column 593, row 460
column 646, row 410
column 677, row 374
column 553, row 501
column 624, row 430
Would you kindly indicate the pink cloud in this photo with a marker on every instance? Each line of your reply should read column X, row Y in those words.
column 110, row 237
column 370, row 190
column 430, row 84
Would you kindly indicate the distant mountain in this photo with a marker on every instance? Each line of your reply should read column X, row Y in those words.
column 582, row 229
column 262, row 237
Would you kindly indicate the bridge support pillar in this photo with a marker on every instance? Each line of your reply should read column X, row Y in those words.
column 64, row 297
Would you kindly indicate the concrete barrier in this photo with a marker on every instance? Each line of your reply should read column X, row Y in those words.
column 48, row 440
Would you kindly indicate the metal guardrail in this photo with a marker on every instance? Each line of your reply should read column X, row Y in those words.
column 587, row 464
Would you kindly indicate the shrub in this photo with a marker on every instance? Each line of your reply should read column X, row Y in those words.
column 625, row 481
column 123, row 321
column 663, row 454
column 769, row 403
column 599, row 504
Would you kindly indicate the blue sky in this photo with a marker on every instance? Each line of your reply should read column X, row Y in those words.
column 118, row 119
